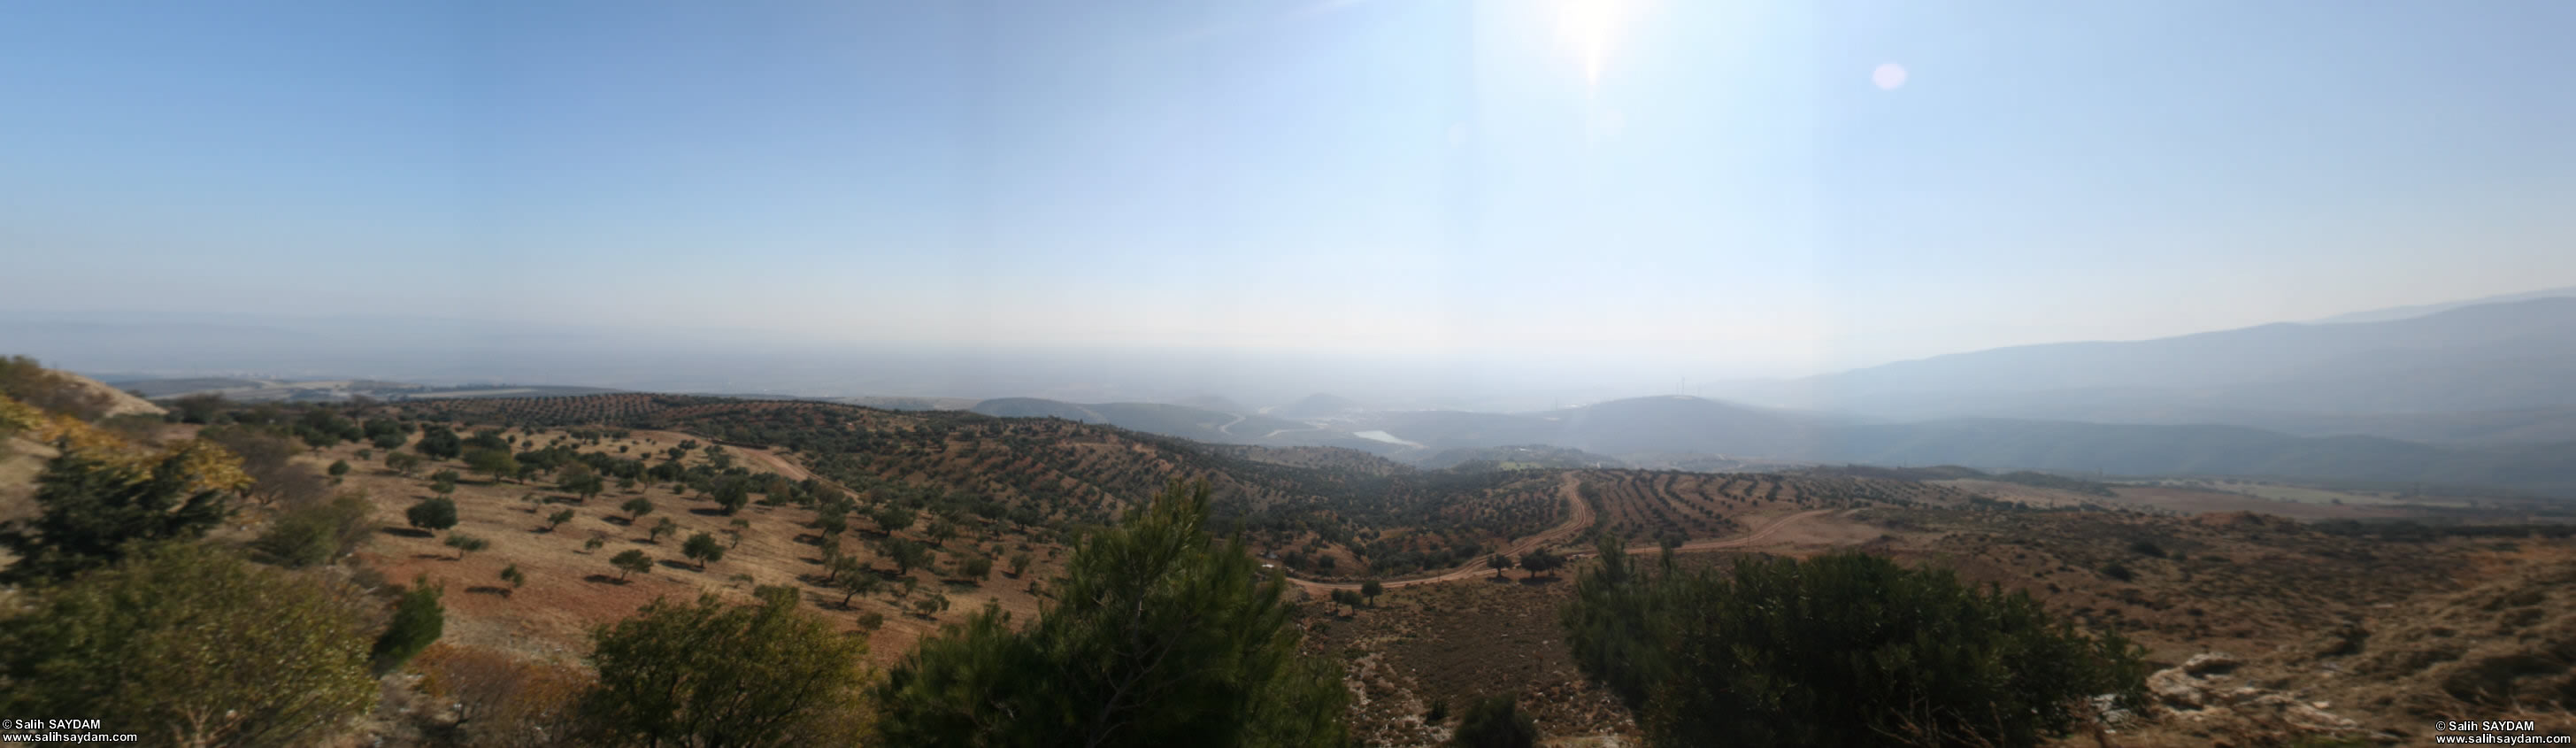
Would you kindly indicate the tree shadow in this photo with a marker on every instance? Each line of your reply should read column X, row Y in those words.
column 1539, row 581
column 486, row 589
column 618, row 521
column 707, row 512
column 673, row 563
column 407, row 532
column 603, row 579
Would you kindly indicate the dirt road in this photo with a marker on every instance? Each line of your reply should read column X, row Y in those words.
column 1757, row 536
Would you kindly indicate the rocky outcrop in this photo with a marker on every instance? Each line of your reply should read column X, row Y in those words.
column 2204, row 689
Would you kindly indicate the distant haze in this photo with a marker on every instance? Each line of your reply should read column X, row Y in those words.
column 1260, row 198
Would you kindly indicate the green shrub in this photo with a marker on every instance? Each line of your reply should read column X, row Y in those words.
column 432, row 514
column 717, row 674
column 418, row 621
column 1843, row 649
column 1495, row 722
column 1164, row 636
column 317, row 535
column 187, row 645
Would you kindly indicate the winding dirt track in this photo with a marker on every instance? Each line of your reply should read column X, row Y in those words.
column 1575, row 525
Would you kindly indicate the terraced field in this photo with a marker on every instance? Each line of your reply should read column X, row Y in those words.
column 1643, row 506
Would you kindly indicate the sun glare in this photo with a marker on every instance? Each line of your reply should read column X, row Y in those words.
column 1591, row 26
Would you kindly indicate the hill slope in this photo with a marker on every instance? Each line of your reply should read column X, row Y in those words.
column 2519, row 354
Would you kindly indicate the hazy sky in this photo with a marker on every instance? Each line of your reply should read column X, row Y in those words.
column 1754, row 187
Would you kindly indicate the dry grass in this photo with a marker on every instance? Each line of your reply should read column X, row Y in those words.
column 570, row 590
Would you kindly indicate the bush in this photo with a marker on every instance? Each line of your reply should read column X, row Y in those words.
column 317, row 535
column 1163, row 636
column 465, row 544
column 714, row 674
column 188, row 645
column 1844, row 649
column 432, row 514
column 418, row 621
column 1495, row 722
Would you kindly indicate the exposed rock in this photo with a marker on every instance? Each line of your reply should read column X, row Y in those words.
column 2199, row 692
column 2207, row 663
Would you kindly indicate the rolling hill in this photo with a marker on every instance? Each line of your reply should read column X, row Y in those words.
column 2493, row 357
column 1667, row 425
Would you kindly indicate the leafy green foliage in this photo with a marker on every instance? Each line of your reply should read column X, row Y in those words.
column 1166, row 637
column 637, row 507
column 852, row 582
column 662, row 529
column 439, row 443
column 1495, row 722
column 1843, row 649
column 89, row 508
column 704, row 549
column 188, row 645
column 1371, row 589
column 315, row 535
column 1541, row 562
column 558, row 518
column 418, row 621
column 931, row 605
column 582, row 480
column 732, row 495
column 894, row 519
column 465, row 544
column 713, row 674
column 496, row 463
column 906, row 555
column 432, row 514
column 512, row 575
column 631, row 561
column 402, row 463
column 198, row 408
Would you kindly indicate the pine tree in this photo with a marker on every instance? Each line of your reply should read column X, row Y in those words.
column 1165, row 637
column 91, row 506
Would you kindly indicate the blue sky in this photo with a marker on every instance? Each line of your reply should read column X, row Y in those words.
column 1708, row 186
